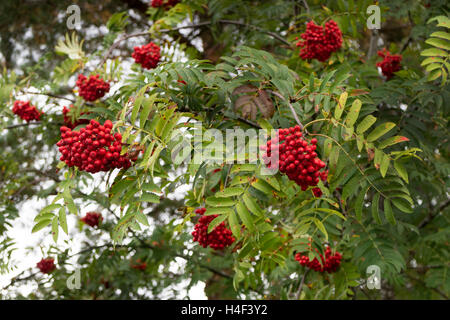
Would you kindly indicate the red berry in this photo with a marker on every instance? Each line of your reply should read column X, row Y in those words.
column 93, row 148
column 330, row 263
column 297, row 159
column 219, row 238
column 318, row 42
column 147, row 56
column 93, row 88
column 26, row 111
column 390, row 63
column 46, row 265
column 92, row 219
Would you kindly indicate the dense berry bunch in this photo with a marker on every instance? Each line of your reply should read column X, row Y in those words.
column 93, row 148
column 92, row 219
column 219, row 238
column 93, row 88
column 46, row 265
column 139, row 265
column 157, row 3
column 390, row 63
column 68, row 121
column 318, row 42
column 147, row 56
column 167, row 4
column 329, row 264
column 26, row 111
column 296, row 158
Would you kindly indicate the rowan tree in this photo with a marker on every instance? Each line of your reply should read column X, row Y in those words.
column 116, row 132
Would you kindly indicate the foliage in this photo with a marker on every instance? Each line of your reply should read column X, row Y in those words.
column 385, row 202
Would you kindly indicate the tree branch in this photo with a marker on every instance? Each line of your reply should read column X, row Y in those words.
column 432, row 215
column 201, row 24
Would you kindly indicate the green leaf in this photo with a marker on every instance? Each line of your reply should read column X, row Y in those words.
column 216, row 222
column 402, row 205
column 365, row 124
column 49, row 208
column 272, row 181
column 265, row 124
column 380, row 131
column 149, row 197
column 220, row 202
column 432, row 60
column 401, row 170
column 384, row 165
column 433, row 52
column 229, row 192
column 234, row 224
column 391, row 141
column 243, row 167
column 147, row 106
column 141, row 217
column 359, row 203
column 263, row 186
column 441, row 34
column 341, row 105
column 55, row 229
column 321, row 227
column 40, row 225
column 352, row 115
column 434, row 75
column 252, row 205
column 388, row 212
column 218, row 210
column 245, row 216
column 44, row 216
column 438, row 43
column 375, row 208
column 63, row 220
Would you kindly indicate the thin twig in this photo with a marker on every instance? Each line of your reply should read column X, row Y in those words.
column 432, row 214
column 30, row 124
column 300, row 288
column 205, row 23
column 306, row 7
column 442, row 294
column 49, row 95
column 290, row 106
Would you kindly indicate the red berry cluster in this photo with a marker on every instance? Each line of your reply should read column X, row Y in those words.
column 219, row 238
column 68, row 121
column 93, row 88
column 318, row 42
column 147, row 56
column 296, row 158
column 92, row 219
column 26, row 111
column 93, row 148
column 390, row 63
column 46, row 265
column 139, row 265
column 329, row 264
column 160, row 3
